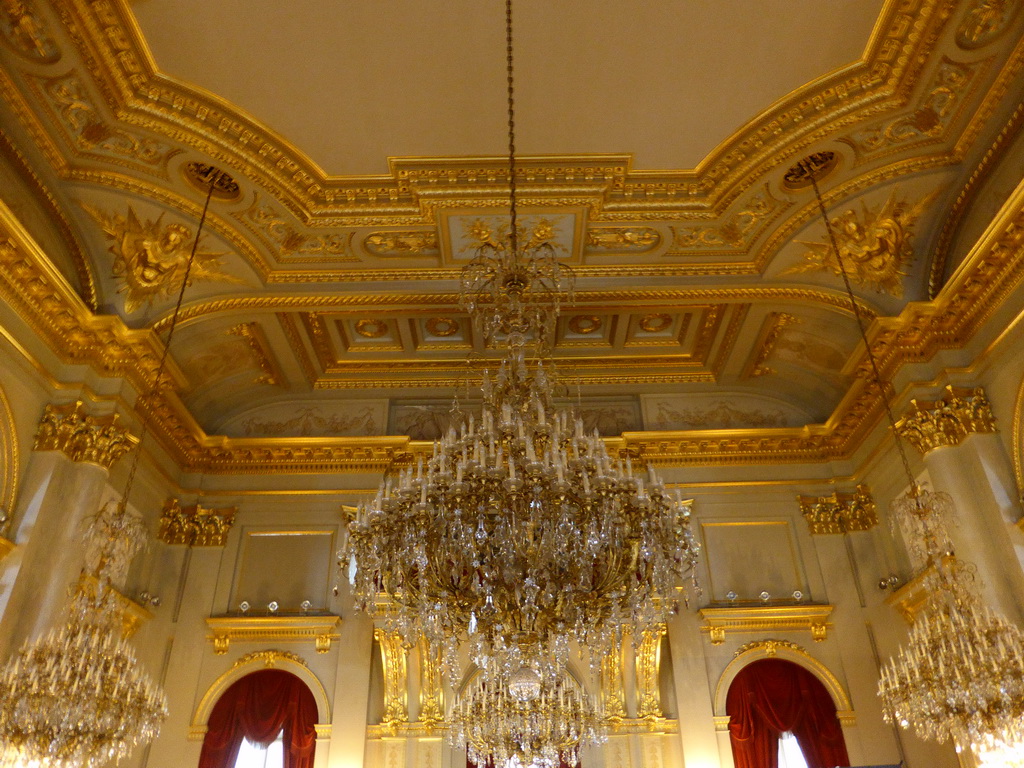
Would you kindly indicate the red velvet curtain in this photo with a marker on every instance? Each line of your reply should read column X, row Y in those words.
column 771, row 696
column 257, row 708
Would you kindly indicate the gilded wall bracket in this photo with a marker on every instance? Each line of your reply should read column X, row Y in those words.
column 840, row 512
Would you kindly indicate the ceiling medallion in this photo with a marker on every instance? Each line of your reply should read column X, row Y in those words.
column 371, row 329
column 442, row 326
column 584, row 324
column 655, row 323
column 815, row 166
column 200, row 175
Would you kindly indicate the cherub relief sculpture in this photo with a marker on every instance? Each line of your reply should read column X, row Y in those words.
column 150, row 257
column 875, row 245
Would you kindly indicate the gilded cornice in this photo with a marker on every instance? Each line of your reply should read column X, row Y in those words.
column 95, row 439
column 111, row 46
column 948, row 421
column 31, row 287
column 320, row 629
column 840, row 512
column 195, row 525
column 720, row 622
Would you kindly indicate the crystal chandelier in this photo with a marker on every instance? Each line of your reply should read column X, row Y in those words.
column 961, row 674
column 502, row 723
column 519, row 533
column 77, row 697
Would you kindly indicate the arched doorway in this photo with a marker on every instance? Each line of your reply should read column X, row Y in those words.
column 771, row 698
column 266, row 719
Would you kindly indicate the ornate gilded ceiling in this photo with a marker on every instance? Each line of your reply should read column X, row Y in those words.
column 325, row 306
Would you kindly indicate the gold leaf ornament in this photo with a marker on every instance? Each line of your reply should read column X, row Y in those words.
column 150, row 256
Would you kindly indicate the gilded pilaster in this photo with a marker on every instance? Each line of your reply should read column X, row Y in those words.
column 431, row 691
column 195, row 525
column 840, row 512
column 648, row 673
column 613, row 693
column 393, row 656
column 948, row 421
column 95, row 439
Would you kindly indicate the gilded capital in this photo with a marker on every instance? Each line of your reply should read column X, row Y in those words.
column 95, row 439
column 949, row 421
column 195, row 526
column 840, row 512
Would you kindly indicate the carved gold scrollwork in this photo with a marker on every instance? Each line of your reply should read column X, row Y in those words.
column 932, row 424
column 431, row 689
column 282, row 235
column 393, row 656
column 774, row 325
column 622, row 239
column 411, row 243
column 195, row 526
column 648, row 673
column 736, row 232
column 840, row 512
column 770, row 647
column 95, row 439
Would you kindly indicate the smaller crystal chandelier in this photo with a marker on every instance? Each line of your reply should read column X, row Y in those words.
column 77, row 697
column 961, row 674
column 519, row 722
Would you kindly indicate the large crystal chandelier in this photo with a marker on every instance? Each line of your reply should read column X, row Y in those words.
column 519, row 532
column 501, row 724
column 77, row 697
column 961, row 674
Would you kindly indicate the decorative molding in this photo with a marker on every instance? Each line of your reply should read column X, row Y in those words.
column 256, row 339
column 195, row 525
column 395, row 661
column 281, row 235
column 653, row 725
column 133, row 615
column 27, row 32
column 770, row 647
column 984, row 22
column 421, row 242
column 931, row 424
column 720, row 622
column 225, row 630
column 621, row 239
column 648, row 674
column 431, row 709
column 774, row 325
column 94, row 439
column 613, row 692
column 840, row 512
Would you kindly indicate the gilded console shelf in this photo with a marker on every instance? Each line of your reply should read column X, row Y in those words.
column 719, row 622
column 261, row 629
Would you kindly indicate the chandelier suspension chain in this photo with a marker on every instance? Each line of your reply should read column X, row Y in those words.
column 862, row 327
column 161, row 367
column 510, row 79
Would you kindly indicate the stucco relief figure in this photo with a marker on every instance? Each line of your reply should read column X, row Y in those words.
column 875, row 246
column 150, row 257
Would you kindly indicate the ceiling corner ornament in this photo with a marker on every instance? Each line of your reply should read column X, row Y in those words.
column 931, row 118
column 948, row 421
column 68, row 428
column 27, row 32
column 150, row 257
column 876, row 244
column 77, row 114
column 840, row 512
column 201, row 175
column 259, row 348
column 984, row 22
column 195, row 525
